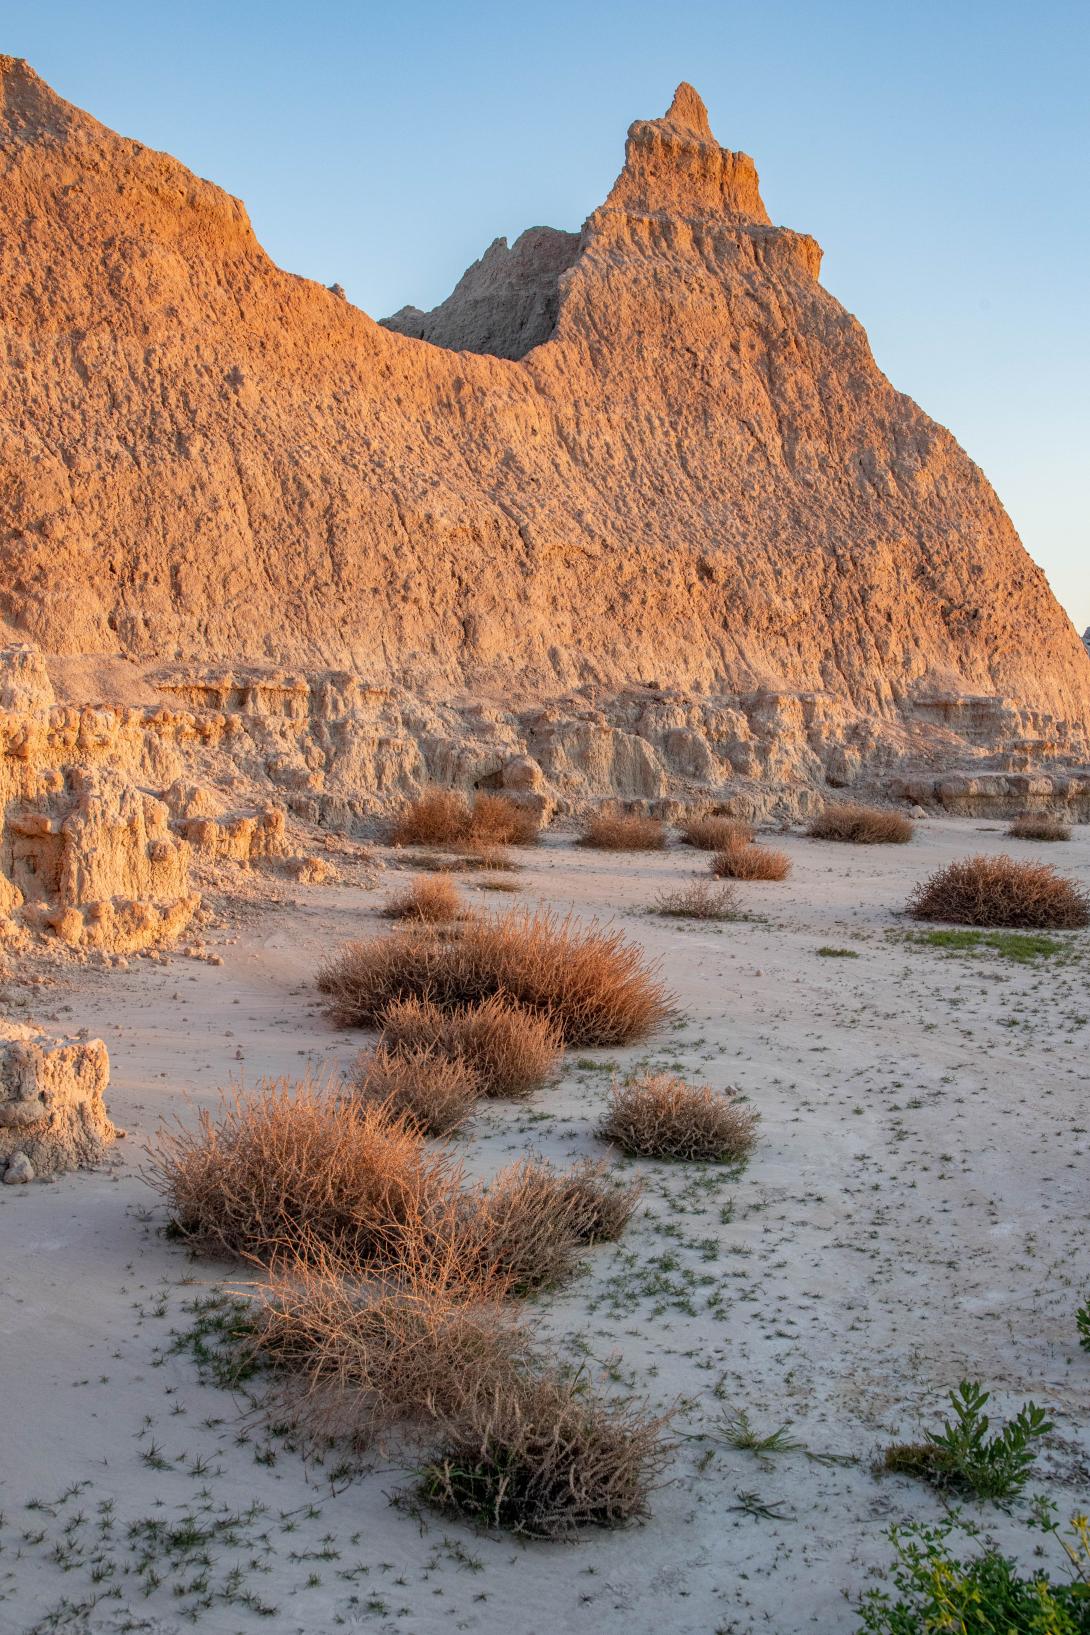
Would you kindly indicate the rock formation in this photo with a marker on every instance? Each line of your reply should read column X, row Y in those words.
column 634, row 507
column 52, row 1112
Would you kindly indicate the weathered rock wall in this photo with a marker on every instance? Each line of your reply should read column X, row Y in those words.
column 52, row 1103
column 699, row 477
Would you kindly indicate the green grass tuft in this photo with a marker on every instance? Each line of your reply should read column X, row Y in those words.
column 1022, row 946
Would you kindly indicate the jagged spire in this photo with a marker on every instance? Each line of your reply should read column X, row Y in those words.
column 687, row 111
column 674, row 164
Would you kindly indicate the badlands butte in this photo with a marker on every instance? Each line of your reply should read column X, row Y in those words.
column 632, row 515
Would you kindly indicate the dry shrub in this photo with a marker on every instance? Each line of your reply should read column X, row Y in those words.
column 863, row 825
column 998, row 891
column 433, row 900
column 715, row 834
column 593, row 984
column 656, row 1115
column 432, row 1091
column 500, row 821
column 538, row 1454
column 438, row 817
column 700, row 901
column 1039, row 826
column 524, row 1229
column 291, row 1164
column 623, row 832
column 391, row 1350
column 444, row 817
column 519, row 1446
column 509, row 1050
column 604, row 1203
column 750, row 862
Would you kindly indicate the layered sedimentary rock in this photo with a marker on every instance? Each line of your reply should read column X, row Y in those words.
column 636, row 508
column 52, row 1108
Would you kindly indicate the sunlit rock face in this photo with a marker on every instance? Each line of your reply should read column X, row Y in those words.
column 656, row 451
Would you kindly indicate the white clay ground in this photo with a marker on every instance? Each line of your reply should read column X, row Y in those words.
column 916, row 1211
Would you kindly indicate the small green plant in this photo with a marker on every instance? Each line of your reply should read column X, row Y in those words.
column 1022, row 946
column 934, row 1590
column 740, row 1433
column 1082, row 1323
column 837, row 953
column 962, row 1455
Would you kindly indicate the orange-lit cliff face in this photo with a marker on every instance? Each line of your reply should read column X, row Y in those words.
column 661, row 450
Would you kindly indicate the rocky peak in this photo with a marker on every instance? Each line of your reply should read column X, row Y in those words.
column 29, row 108
column 675, row 165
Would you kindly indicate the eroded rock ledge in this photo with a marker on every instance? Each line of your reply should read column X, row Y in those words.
column 52, row 1103
column 106, row 811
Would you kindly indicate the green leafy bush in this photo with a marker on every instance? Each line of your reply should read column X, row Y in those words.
column 935, row 1591
column 1082, row 1323
column 962, row 1455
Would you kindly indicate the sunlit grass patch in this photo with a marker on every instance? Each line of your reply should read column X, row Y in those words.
column 1021, row 946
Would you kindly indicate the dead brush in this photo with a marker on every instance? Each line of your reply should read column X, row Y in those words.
column 499, row 821
column 444, row 817
column 589, row 980
column 438, row 817
column 699, row 901
column 288, row 1164
column 999, row 891
column 715, row 834
column 540, row 1455
column 509, row 1050
column 522, row 1231
column 525, row 1228
column 604, row 1203
column 1039, row 826
column 433, row 899
column 750, row 862
column 657, row 1115
column 359, row 1357
column 861, row 825
column 432, row 1091
column 623, row 832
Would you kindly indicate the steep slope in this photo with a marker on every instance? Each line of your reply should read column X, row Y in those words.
column 700, row 476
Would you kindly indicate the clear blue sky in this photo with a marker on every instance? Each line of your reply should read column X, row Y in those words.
column 940, row 152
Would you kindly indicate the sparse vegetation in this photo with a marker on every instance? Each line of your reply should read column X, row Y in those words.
column 431, row 1090
column 657, row 1115
column 998, row 891
column 438, row 817
column 623, row 832
column 1022, row 946
column 1039, row 826
column 715, row 834
column 526, row 1227
column 497, row 820
column 1082, row 1324
column 541, row 1456
column 933, row 1590
column 964, row 1457
column 385, row 1352
column 604, row 1204
column 750, row 862
column 861, row 825
column 592, row 983
column 509, row 1049
column 444, row 817
column 433, row 899
column 699, row 901
column 289, row 1165
column 829, row 952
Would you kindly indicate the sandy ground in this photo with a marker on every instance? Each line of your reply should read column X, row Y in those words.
column 915, row 1212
